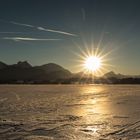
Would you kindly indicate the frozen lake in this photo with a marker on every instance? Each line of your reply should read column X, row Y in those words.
column 69, row 112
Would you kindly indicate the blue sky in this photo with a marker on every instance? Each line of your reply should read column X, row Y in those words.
column 53, row 31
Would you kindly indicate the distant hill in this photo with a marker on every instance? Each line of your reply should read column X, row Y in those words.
column 2, row 65
column 51, row 73
column 23, row 64
column 112, row 74
column 23, row 71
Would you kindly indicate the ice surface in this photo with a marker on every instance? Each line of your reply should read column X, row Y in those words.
column 69, row 112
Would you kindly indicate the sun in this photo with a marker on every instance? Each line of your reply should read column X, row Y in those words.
column 92, row 63
column 92, row 60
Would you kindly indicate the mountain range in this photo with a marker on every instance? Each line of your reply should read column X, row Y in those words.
column 23, row 72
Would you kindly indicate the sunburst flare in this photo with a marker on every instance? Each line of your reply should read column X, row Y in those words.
column 93, row 61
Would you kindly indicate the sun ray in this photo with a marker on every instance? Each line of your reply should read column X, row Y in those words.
column 93, row 60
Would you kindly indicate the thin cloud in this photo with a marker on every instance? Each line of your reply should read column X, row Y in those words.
column 21, row 24
column 30, row 39
column 12, row 33
column 83, row 14
column 43, row 29
column 55, row 31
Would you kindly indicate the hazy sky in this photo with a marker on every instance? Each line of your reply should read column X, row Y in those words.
column 43, row 31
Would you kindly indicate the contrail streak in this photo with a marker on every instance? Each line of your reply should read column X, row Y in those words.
column 55, row 31
column 21, row 24
column 43, row 29
column 30, row 39
column 12, row 33
column 83, row 14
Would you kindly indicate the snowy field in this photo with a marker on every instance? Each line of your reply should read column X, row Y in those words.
column 69, row 112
